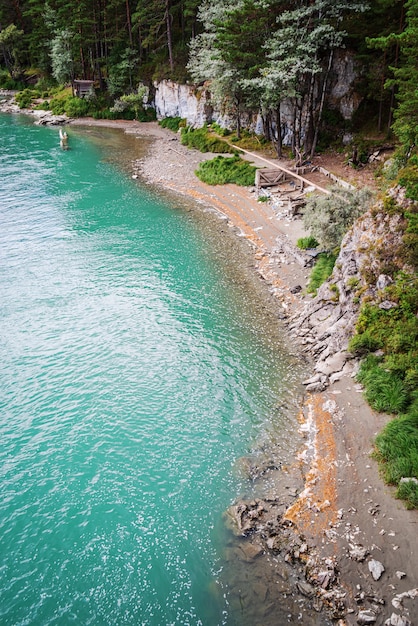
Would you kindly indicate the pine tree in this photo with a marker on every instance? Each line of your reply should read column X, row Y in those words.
column 405, row 79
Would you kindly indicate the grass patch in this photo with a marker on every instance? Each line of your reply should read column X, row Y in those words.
column 391, row 380
column 172, row 123
column 223, row 170
column 384, row 391
column 201, row 139
column 321, row 271
column 251, row 141
column 394, row 331
column 223, row 132
column 307, row 243
column 397, row 454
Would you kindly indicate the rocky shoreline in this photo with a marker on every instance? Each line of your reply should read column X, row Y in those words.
column 329, row 544
column 332, row 527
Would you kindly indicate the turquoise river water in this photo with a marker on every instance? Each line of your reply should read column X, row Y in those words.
column 134, row 374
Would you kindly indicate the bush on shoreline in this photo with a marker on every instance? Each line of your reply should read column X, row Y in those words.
column 203, row 140
column 223, row 170
column 172, row 123
column 397, row 454
column 306, row 243
column 321, row 271
column 390, row 379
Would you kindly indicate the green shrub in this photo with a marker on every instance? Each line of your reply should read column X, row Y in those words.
column 397, row 454
column 108, row 114
column 223, row 132
column 76, row 107
column 408, row 491
column 42, row 106
column 172, row 123
column 328, row 217
column 9, row 83
column 363, row 344
column 410, row 239
column 57, row 106
column 353, row 282
column 202, row 140
column 223, row 170
column 306, row 243
column 24, row 98
column 384, row 390
column 321, row 271
column 408, row 178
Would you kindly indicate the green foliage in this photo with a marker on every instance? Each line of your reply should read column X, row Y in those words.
column 329, row 217
column 62, row 56
column 172, row 123
column 391, row 380
column 7, row 82
column 109, row 114
column 353, row 282
column 223, row 170
column 203, row 140
column 410, row 239
column 363, row 343
column 384, row 391
column 408, row 491
column 25, row 98
column 76, row 107
column 397, row 453
column 306, row 243
column 11, row 47
column 57, row 106
column 408, row 178
column 321, row 271
column 223, row 132
column 121, row 73
column 135, row 101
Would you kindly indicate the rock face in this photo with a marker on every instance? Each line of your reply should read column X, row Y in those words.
column 327, row 323
column 195, row 105
column 185, row 101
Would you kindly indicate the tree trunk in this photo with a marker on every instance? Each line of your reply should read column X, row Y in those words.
column 266, row 126
column 169, row 34
column 307, row 127
column 382, row 90
column 293, row 144
column 238, row 120
column 392, row 93
column 129, row 22
column 279, row 132
column 321, row 104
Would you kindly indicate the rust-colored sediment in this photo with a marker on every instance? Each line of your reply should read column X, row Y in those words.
column 316, row 508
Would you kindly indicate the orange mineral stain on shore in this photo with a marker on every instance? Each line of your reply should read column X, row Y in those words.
column 315, row 509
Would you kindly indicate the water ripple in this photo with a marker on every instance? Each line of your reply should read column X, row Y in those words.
column 133, row 376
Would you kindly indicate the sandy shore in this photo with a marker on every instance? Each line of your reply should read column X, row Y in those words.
column 346, row 511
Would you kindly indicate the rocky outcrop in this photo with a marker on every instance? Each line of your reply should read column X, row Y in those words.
column 327, row 323
column 185, row 101
column 7, row 102
column 42, row 118
column 46, row 118
column 194, row 103
column 260, row 527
